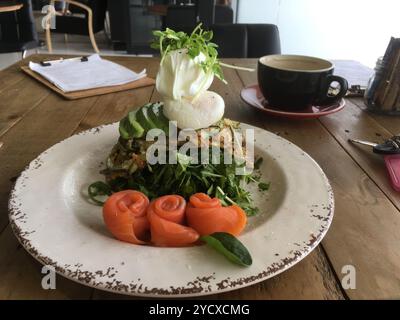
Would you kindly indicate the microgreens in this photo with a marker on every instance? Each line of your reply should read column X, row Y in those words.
column 199, row 41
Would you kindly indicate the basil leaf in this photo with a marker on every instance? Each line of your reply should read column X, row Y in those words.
column 97, row 189
column 230, row 247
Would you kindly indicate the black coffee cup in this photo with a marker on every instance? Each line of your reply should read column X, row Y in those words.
column 292, row 82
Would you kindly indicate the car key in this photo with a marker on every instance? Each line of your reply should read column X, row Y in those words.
column 390, row 146
column 391, row 151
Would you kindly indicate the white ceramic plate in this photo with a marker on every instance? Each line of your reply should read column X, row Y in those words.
column 53, row 220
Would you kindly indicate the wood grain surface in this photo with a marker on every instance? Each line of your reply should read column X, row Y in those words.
column 364, row 232
column 9, row 7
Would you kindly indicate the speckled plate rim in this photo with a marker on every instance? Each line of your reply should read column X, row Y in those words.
column 287, row 114
column 75, row 273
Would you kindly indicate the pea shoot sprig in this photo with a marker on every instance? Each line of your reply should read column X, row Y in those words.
column 199, row 41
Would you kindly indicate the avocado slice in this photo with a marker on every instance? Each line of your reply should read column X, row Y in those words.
column 157, row 116
column 129, row 127
column 144, row 119
column 125, row 129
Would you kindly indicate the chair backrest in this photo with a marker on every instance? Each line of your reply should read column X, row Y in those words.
column 18, row 27
column 262, row 40
column 246, row 40
column 231, row 40
column 181, row 17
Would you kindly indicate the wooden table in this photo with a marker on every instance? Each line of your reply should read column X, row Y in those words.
column 8, row 6
column 365, row 229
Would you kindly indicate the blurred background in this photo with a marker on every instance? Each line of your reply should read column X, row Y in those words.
column 342, row 29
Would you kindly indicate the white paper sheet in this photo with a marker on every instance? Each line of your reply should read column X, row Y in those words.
column 73, row 74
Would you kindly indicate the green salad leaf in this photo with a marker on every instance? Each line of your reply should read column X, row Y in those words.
column 127, row 167
column 99, row 189
column 230, row 247
column 186, row 178
column 258, row 163
column 262, row 186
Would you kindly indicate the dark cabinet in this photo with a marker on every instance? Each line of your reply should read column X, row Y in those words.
column 132, row 25
column 141, row 25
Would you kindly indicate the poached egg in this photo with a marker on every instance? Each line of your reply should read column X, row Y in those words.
column 183, row 85
column 200, row 113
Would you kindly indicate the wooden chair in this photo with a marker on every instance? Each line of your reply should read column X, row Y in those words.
column 89, row 18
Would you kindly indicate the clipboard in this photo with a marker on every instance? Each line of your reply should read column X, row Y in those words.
column 143, row 82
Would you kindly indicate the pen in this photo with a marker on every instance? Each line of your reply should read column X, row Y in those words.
column 49, row 62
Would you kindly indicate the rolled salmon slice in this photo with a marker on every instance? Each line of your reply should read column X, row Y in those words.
column 166, row 215
column 124, row 214
column 202, row 200
column 206, row 217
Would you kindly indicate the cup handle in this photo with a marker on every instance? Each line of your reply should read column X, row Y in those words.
column 325, row 99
